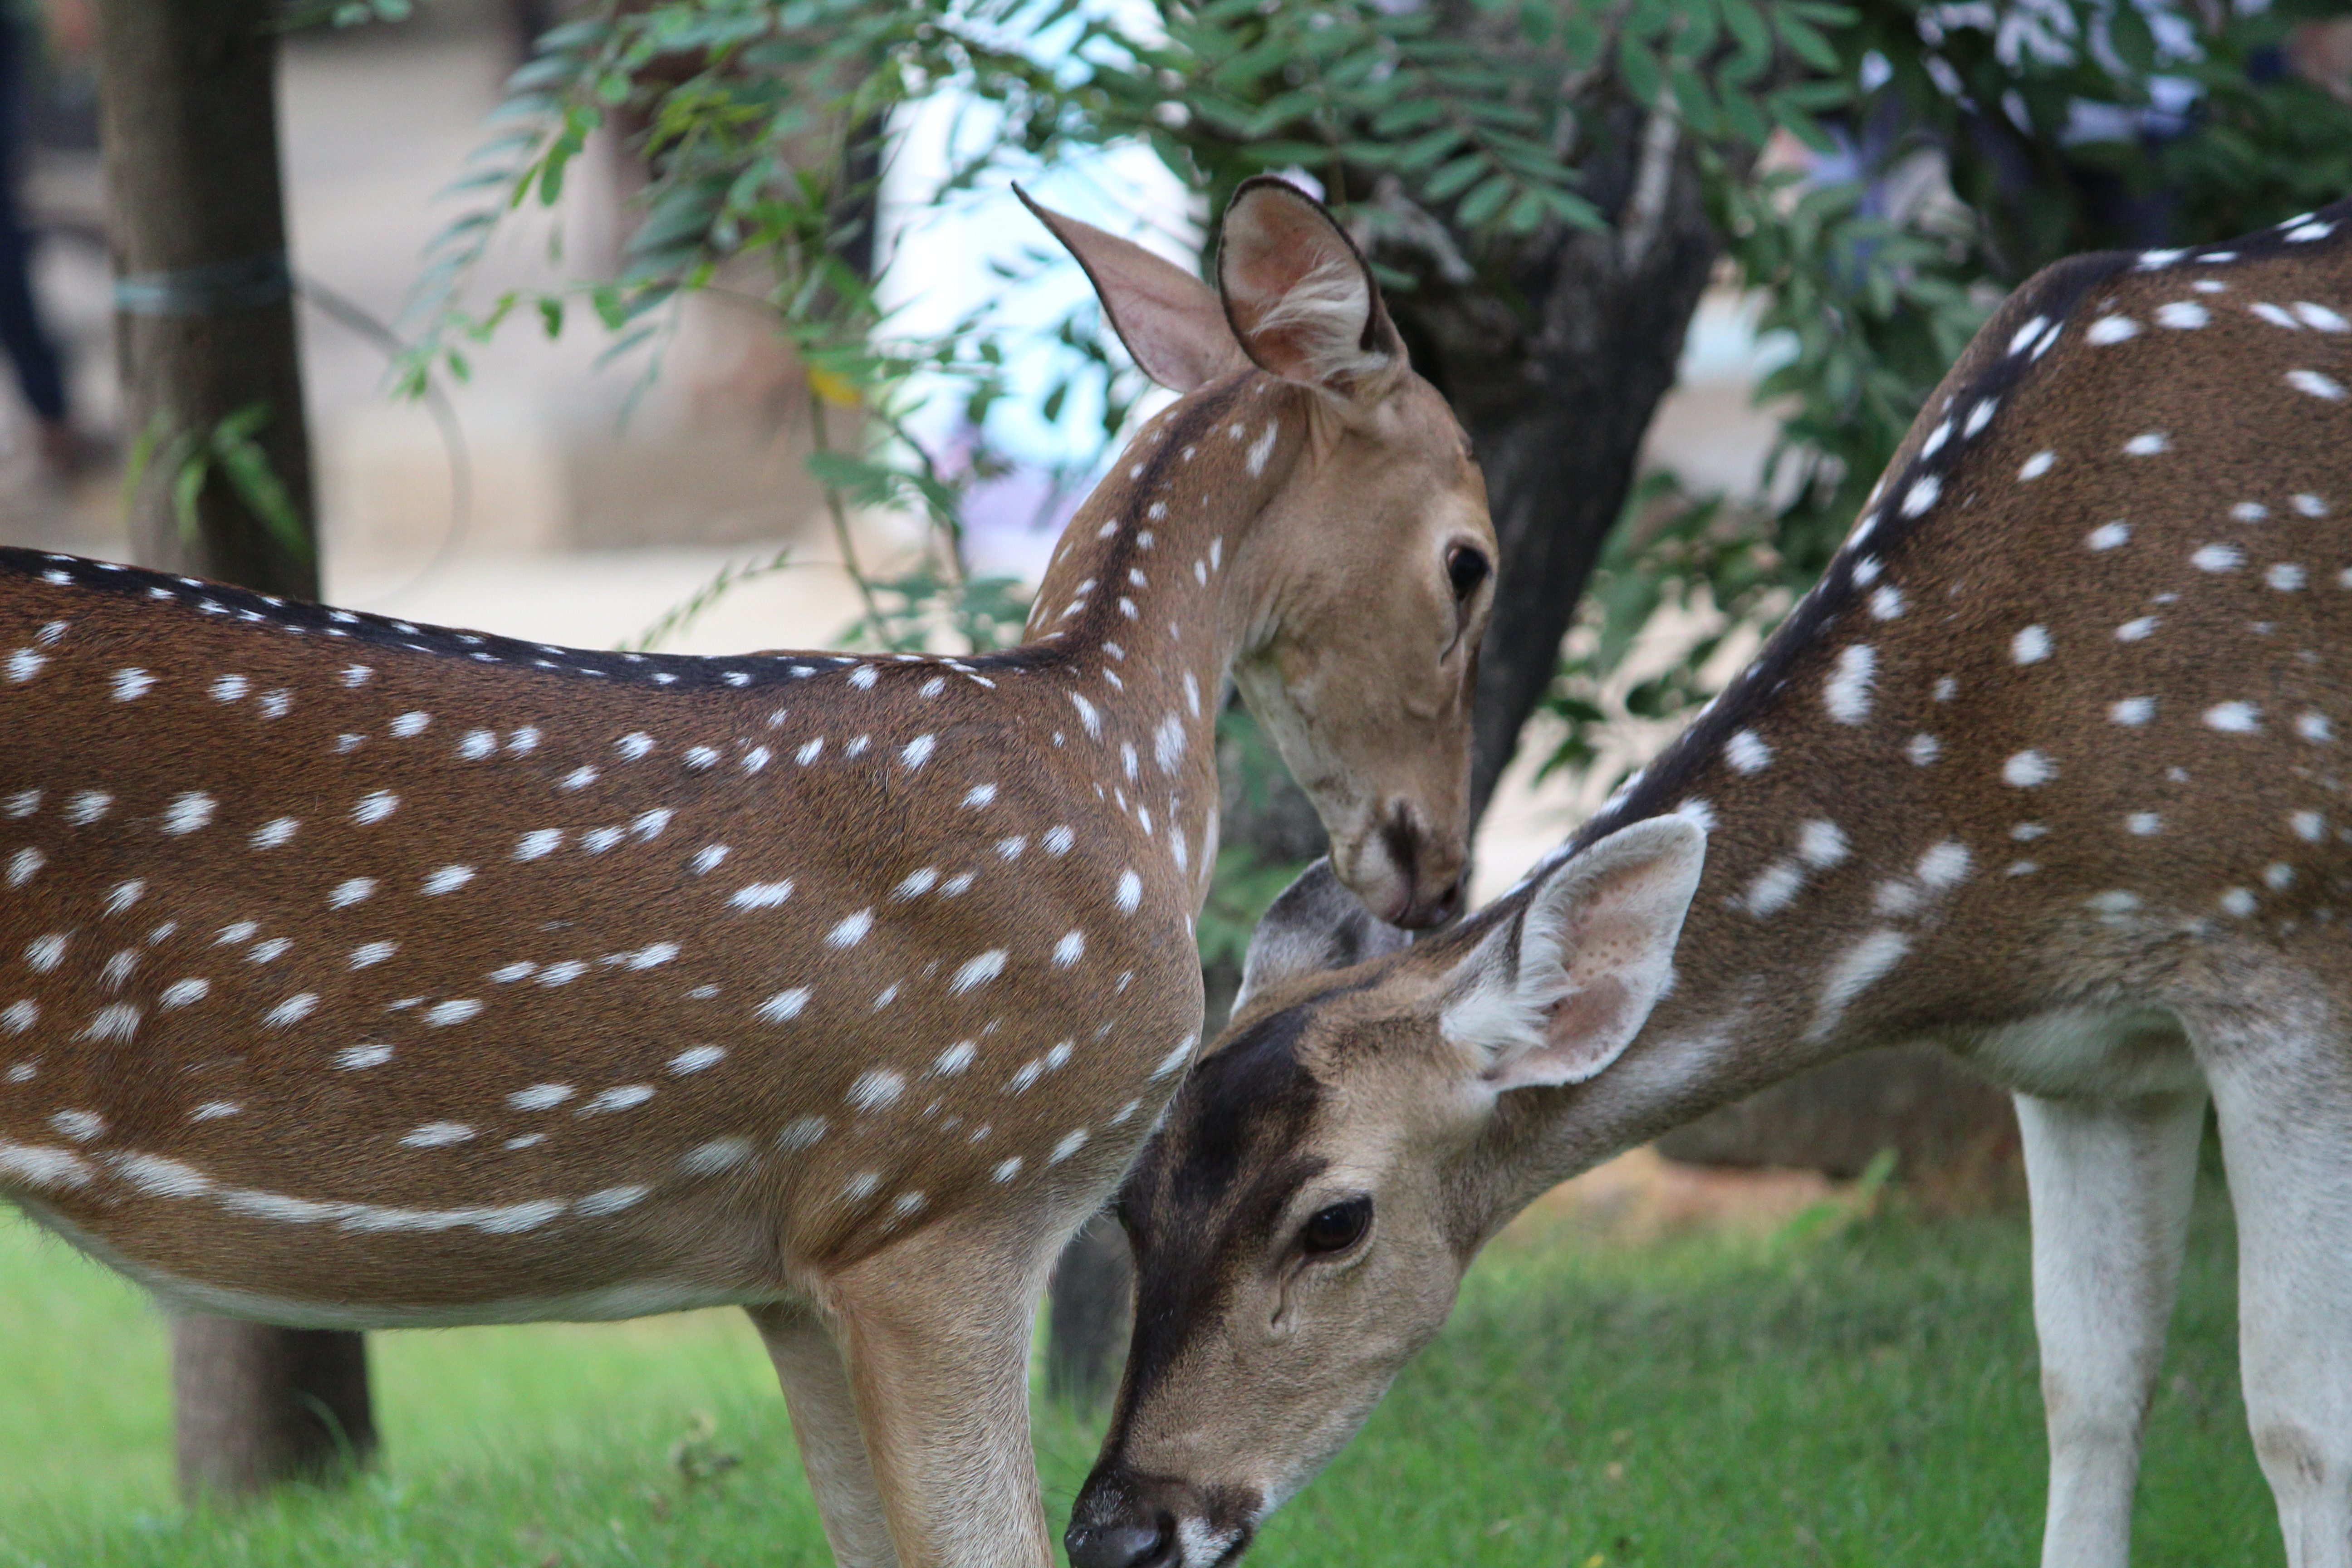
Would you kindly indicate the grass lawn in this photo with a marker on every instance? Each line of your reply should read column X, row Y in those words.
column 1852, row 1395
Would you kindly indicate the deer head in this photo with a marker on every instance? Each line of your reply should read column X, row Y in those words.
column 1370, row 566
column 2044, row 769
column 1302, row 1219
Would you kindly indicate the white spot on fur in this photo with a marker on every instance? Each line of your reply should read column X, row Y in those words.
column 2028, row 770
column 2316, row 385
column 1862, row 965
column 1773, row 888
column 1847, row 691
column 761, row 895
column 2233, row 717
column 1820, row 844
column 978, row 972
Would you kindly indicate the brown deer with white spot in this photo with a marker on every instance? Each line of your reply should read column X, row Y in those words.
column 360, row 973
column 2051, row 768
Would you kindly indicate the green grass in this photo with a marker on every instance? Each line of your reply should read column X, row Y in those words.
column 1855, row 1396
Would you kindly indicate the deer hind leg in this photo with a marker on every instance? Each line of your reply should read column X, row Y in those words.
column 2284, row 1115
column 937, row 1341
column 824, row 1425
column 2110, row 1183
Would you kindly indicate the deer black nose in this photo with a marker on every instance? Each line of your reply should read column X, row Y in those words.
column 1121, row 1545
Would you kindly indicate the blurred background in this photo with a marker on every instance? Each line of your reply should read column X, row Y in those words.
column 603, row 492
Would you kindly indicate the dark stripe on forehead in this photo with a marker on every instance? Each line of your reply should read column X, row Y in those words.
column 1253, row 1091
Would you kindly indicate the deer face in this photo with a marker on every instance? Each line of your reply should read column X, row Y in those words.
column 1370, row 557
column 1366, row 662
column 1302, row 1220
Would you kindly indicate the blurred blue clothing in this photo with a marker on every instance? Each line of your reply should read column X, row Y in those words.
column 29, row 348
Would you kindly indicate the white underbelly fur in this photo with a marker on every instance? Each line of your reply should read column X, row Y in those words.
column 2119, row 1053
column 608, row 1303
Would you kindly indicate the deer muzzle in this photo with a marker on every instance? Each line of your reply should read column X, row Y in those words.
column 1126, row 1521
column 1406, row 874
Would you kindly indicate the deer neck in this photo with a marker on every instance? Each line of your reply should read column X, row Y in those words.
column 1158, row 587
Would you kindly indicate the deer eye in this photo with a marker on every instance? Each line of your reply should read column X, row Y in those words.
column 1337, row 1228
column 1466, row 568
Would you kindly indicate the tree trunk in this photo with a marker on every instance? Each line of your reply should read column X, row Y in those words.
column 204, row 310
column 1092, row 1298
column 204, row 329
column 1554, row 357
column 258, row 1406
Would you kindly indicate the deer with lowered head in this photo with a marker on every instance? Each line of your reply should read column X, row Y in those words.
column 360, row 973
column 2051, row 768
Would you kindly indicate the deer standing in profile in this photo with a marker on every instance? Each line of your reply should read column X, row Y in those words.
column 359, row 974
column 2051, row 768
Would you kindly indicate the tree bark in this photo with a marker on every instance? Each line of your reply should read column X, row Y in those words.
column 1554, row 355
column 258, row 1406
column 205, row 317
column 204, row 329
column 1092, row 1299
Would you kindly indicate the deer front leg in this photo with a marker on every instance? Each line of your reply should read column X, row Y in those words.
column 824, row 1425
column 2110, row 1183
column 2284, row 1116
column 938, row 1353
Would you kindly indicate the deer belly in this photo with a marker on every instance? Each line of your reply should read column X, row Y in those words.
column 386, row 1268
column 2065, row 1052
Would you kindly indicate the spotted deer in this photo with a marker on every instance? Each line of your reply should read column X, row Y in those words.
column 355, row 972
column 2050, row 768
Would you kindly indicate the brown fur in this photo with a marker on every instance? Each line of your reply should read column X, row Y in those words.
column 358, row 972
column 2093, row 901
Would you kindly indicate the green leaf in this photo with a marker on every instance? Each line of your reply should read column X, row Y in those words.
column 1455, row 177
column 256, row 481
column 1479, row 207
column 1807, row 43
column 1748, row 30
column 188, row 489
column 1638, row 67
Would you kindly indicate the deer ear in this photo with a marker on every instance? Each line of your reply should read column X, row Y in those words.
column 1299, row 295
column 1168, row 319
column 1555, row 995
column 1314, row 926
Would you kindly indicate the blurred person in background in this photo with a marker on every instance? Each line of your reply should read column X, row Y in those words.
column 68, row 28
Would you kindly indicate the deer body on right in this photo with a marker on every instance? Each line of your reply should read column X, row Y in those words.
column 2051, row 768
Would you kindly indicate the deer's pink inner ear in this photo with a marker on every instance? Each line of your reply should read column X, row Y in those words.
column 1302, row 301
column 1170, row 321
